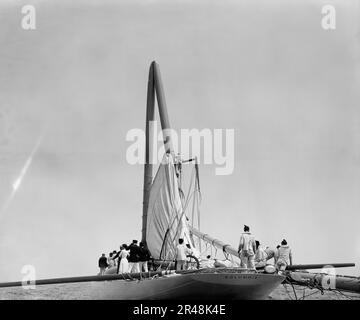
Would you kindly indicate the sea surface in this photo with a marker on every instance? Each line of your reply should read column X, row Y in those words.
column 83, row 291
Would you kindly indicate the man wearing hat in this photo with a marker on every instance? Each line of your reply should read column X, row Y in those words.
column 247, row 249
column 134, row 265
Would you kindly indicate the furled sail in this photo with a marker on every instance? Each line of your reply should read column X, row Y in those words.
column 166, row 220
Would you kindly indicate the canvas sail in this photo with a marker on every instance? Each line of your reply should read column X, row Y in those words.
column 166, row 220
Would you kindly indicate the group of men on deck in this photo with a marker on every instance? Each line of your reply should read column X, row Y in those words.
column 134, row 258
column 130, row 258
column 252, row 255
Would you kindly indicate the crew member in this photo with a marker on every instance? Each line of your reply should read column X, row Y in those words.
column 102, row 264
column 134, row 256
column 284, row 256
column 270, row 253
column 247, row 249
column 144, row 257
column 111, row 262
column 261, row 256
column 181, row 252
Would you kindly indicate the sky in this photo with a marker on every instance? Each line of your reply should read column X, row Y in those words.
column 71, row 90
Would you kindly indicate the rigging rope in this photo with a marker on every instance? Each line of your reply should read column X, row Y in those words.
column 314, row 287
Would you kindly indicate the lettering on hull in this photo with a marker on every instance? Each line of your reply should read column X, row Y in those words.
column 252, row 277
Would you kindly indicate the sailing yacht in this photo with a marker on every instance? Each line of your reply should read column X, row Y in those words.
column 166, row 218
column 165, row 221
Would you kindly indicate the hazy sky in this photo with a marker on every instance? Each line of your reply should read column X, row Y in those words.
column 267, row 69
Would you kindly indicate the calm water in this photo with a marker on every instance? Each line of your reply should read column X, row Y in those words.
column 68, row 291
column 79, row 291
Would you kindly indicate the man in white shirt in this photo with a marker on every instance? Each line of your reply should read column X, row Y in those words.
column 181, row 252
column 260, row 256
column 270, row 253
column 111, row 261
column 284, row 256
column 247, row 249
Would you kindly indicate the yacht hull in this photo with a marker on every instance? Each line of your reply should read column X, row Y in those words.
column 197, row 286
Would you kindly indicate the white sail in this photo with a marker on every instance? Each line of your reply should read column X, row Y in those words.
column 166, row 221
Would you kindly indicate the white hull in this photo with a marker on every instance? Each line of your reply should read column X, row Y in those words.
column 229, row 286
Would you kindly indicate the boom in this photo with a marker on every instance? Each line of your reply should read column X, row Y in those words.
column 215, row 242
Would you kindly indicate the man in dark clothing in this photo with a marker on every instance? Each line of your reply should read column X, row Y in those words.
column 144, row 257
column 116, row 255
column 103, row 264
column 134, row 265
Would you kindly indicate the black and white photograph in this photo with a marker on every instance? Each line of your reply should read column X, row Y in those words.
column 180, row 150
